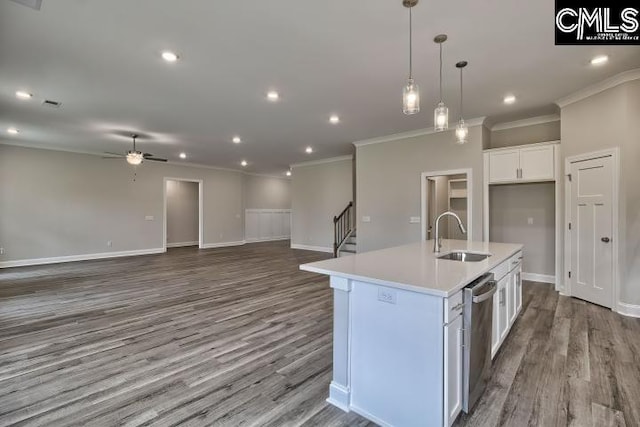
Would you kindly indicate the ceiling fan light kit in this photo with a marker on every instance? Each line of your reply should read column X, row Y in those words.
column 135, row 157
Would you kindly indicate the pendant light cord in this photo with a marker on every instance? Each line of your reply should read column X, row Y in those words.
column 461, row 104
column 440, row 72
column 410, row 46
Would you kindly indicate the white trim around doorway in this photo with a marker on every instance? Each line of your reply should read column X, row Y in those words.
column 423, row 201
column 200, row 183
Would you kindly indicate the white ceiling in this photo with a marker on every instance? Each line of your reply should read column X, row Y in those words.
column 101, row 59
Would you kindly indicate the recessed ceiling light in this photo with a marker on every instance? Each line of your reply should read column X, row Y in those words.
column 236, row 140
column 288, row 173
column 599, row 60
column 309, row 150
column 334, row 119
column 183, row 155
column 13, row 131
column 23, row 95
column 244, row 163
column 272, row 95
column 169, row 56
column 509, row 99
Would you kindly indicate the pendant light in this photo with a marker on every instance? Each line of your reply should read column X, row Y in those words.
column 462, row 131
column 441, row 113
column 411, row 92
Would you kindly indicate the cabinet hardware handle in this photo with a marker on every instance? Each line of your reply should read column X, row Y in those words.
column 458, row 306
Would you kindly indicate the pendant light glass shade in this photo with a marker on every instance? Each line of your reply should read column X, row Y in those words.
column 462, row 132
column 441, row 117
column 411, row 98
column 411, row 92
column 441, row 113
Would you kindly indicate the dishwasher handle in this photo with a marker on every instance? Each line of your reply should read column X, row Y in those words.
column 493, row 287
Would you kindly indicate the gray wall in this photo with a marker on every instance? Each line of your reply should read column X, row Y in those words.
column 510, row 207
column 611, row 119
column 264, row 192
column 525, row 135
column 61, row 204
column 182, row 212
column 318, row 193
column 388, row 182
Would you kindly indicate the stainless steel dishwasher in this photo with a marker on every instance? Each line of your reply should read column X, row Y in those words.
column 478, row 316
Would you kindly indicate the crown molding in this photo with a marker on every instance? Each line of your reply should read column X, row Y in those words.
column 527, row 122
column 264, row 175
column 478, row 121
column 322, row 161
column 169, row 162
column 609, row 83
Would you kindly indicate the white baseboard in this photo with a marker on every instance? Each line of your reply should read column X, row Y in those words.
column 339, row 396
column 312, row 248
column 73, row 258
column 628, row 309
column 267, row 239
column 535, row 277
column 222, row 244
column 182, row 244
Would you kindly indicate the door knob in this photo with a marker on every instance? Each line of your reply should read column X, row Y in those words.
column 606, row 239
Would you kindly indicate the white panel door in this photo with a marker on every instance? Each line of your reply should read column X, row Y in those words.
column 591, row 230
column 495, row 327
column 286, row 224
column 511, row 297
column 537, row 163
column 453, row 369
column 503, row 166
column 503, row 321
column 518, row 283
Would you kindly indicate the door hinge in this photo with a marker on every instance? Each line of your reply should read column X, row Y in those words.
column 569, row 226
column 569, row 275
column 569, row 176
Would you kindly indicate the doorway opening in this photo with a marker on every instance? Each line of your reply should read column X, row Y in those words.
column 443, row 191
column 182, row 213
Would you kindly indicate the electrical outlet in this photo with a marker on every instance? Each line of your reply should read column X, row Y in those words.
column 387, row 295
column 530, row 221
column 366, row 219
column 414, row 220
column 109, row 243
column 1, row 251
column 149, row 218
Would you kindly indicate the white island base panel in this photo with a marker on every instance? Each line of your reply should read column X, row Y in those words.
column 397, row 347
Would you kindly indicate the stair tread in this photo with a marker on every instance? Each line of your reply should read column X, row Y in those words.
column 348, row 250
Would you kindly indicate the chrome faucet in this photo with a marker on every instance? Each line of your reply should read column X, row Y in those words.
column 437, row 241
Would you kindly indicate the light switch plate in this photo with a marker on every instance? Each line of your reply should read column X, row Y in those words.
column 366, row 219
column 149, row 218
column 530, row 221
column 414, row 220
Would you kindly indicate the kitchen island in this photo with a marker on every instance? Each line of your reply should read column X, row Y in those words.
column 397, row 344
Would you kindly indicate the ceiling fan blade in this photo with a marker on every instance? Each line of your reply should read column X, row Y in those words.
column 155, row 159
column 114, row 154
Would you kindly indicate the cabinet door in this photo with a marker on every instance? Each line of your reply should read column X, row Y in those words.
column 537, row 163
column 495, row 327
column 511, row 297
column 453, row 370
column 503, row 166
column 503, row 325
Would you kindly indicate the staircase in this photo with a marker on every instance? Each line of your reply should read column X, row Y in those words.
column 344, row 233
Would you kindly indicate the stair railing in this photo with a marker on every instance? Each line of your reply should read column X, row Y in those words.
column 342, row 228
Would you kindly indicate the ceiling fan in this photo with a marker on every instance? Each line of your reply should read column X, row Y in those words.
column 135, row 157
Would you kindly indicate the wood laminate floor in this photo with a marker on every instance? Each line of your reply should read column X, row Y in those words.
column 240, row 336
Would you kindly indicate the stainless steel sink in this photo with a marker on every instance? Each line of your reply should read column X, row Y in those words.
column 464, row 256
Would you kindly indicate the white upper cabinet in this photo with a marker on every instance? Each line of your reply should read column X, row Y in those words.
column 537, row 163
column 522, row 164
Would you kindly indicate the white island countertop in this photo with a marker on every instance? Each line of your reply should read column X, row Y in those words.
column 415, row 267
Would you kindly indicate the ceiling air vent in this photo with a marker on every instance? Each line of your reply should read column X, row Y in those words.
column 50, row 103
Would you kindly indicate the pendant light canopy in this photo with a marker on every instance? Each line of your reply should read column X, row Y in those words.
column 441, row 113
column 462, row 131
column 411, row 92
